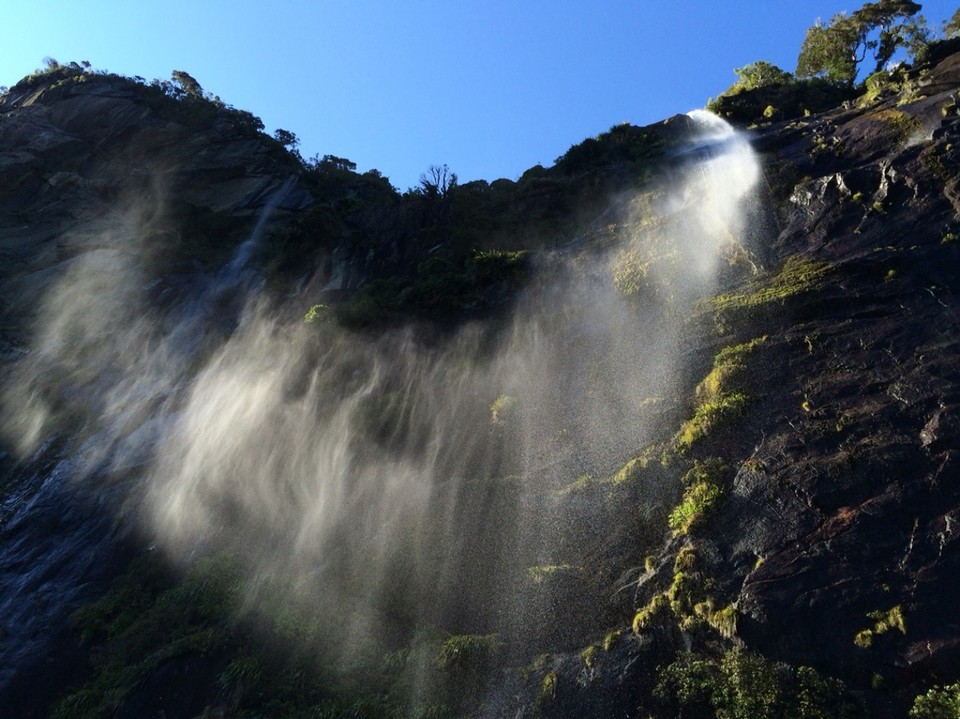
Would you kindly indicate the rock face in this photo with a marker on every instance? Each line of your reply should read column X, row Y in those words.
column 858, row 402
column 92, row 173
column 829, row 517
column 836, row 544
column 71, row 154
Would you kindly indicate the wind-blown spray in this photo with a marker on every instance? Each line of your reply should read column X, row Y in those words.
column 392, row 483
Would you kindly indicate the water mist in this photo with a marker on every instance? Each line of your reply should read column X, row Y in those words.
column 382, row 484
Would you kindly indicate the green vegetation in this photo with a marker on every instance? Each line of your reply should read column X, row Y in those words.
column 835, row 50
column 635, row 467
column 883, row 623
column 829, row 62
column 589, row 655
column 938, row 702
column 580, row 484
column 145, row 622
column 152, row 620
column 686, row 601
column 468, row 651
column 502, row 408
column 720, row 396
column 548, row 691
column 797, row 275
column 441, row 290
column 728, row 367
column 902, row 126
column 758, row 74
column 648, row 274
column 880, row 85
column 705, row 487
column 610, row 639
column 741, row 685
column 951, row 27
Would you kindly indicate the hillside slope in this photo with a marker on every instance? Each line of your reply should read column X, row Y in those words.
column 590, row 443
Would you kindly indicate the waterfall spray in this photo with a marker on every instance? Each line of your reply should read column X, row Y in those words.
column 382, row 484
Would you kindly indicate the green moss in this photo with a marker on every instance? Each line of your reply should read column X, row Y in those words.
column 724, row 621
column 901, row 124
column 146, row 621
column 589, row 655
column 610, row 639
column 720, row 395
column 797, row 275
column 630, row 270
column 317, row 313
column 698, row 500
column 884, row 621
column 580, row 484
column 657, row 607
column 708, row 416
column 634, row 468
column 467, row 651
column 548, row 690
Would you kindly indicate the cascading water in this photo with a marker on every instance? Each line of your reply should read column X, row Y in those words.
column 391, row 484
column 86, row 408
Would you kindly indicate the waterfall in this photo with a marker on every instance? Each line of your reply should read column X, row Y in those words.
column 243, row 253
column 370, row 474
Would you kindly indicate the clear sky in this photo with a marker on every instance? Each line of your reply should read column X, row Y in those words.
column 489, row 87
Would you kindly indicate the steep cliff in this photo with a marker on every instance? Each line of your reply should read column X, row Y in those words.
column 667, row 428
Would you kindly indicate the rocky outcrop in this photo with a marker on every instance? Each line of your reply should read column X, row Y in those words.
column 71, row 154
column 826, row 534
column 835, row 544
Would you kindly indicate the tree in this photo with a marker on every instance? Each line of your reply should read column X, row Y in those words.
column 185, row 84
column 759, row 74
column 951, row 28
column 332, row 162
column 835, row 50
column 438, row 181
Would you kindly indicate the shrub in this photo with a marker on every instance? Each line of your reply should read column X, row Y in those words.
column 938, row 702
column 742, row 685
column 698, row 500
column 709, row 415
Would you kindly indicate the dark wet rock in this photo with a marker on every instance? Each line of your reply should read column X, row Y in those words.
column 842, row 504
column 942, row 432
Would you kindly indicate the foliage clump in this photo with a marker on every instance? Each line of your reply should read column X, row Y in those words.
column 797, row 275
column 706, row 484
column 441, row 290
column 686, row 601
column 502, row 408
column 468, row 651
column 835, row 49
column 742, row 685
column 883, row 623
column 939, row 702
column 720, row 396
column 546, row 572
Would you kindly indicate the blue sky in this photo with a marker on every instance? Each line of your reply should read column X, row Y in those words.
column 490, row 88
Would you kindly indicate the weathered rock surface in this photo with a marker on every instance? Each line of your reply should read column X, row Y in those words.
column 836, row 543
column 845, row 502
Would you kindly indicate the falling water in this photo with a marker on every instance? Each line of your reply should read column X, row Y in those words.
column 394, row 484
